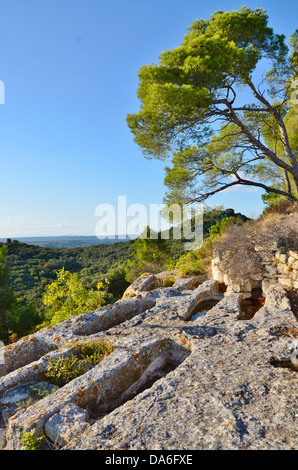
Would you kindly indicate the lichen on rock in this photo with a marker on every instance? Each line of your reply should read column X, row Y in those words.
column 169, row 383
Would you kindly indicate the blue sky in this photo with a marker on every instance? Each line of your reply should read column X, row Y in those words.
column 70, row 73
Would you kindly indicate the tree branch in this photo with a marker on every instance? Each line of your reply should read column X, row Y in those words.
column 264, row 186
column 242, row 182
column 282, row 127
column 211, row 193
column 244, row 108
column 287, row 182
column 272, row 156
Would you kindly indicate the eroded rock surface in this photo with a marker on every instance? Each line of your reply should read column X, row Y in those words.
column 214, row 383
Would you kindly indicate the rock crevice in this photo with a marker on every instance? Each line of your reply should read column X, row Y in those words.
column 170, row 383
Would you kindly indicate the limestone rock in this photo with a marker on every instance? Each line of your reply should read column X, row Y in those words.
column 215, row 383
column 66, row 424
column 146, row 282
column 217, row 274
column 293, row 254
column 189, row 283
column 279, row 265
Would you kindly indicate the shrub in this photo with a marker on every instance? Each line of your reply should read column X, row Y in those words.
column 189, row 265
column 237, row 254
column 30, row 441
column 279, row 205
column 36, row 393
column 67, row 297
column 86, row 355
column 197, row 261
column 220, row 225
column 151, row 254
column 168, row 281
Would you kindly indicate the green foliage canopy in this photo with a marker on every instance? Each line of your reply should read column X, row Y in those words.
column 151, row 254
column 67, row 297
column 193, row 108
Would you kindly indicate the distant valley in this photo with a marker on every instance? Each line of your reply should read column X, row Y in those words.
column 70, row 241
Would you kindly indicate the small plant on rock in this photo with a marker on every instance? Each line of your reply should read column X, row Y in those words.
column 86, row 355
column 30, row 441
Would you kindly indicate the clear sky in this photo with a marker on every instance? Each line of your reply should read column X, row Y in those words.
column 70, row 73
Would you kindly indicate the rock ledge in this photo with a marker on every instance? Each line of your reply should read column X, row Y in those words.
column 213, row 383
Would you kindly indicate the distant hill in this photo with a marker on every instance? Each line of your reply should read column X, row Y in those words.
column 210, row 218
column 75, row 241
column 34, row 261
column 32, row 267
column 68, row 241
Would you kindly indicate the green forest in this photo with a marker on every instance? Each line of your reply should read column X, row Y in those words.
column 32, row 268
column 38, row 282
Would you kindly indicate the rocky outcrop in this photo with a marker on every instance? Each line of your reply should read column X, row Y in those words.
column 177, row 379
column 148, row 282
column 273, row 260
column 280, row 268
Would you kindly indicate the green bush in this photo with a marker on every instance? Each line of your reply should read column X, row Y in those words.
column 278, row 205
column 30, row 441
column 67, row 297
column 151, row 255
column 86, row 355
column 189, row 264
column 220, row 225
column 198, row 261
